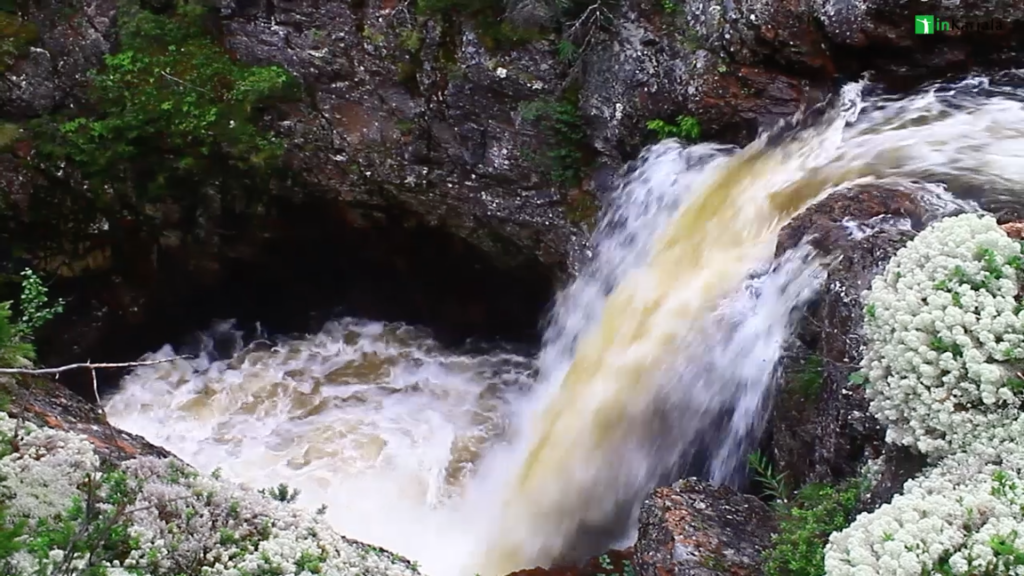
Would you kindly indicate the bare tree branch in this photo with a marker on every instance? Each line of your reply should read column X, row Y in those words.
column 183, row 83
column 90, row 366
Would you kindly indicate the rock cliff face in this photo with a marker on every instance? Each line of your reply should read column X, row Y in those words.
column 418, row 136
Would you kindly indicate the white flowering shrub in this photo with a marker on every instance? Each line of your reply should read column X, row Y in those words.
column 945, row 332
column 964, row 517
column 62, row 512
column 945, row 329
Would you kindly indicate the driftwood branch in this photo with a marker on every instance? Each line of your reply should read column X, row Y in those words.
column 89, row 366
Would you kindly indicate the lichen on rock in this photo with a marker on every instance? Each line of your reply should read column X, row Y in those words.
column 62, row 508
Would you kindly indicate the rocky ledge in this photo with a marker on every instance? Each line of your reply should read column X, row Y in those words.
column 46, row 403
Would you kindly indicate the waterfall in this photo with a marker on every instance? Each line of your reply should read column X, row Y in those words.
column 657, row 360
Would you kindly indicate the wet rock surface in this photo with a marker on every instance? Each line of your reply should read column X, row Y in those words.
column 821, row 429
column 692, row 528
column 47, row 403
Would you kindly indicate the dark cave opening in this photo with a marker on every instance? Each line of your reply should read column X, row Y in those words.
column 291, row 272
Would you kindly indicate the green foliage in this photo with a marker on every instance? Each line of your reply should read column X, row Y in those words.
column 669, row 6
column 85, row 530
column 806, row 519
column 168, row 109
column 609, row 568
column 560, row 124
column 8, row 135
column 858, row 378
column 818, row 510
column 684, row 128
column 809, row 378
column 411, row 39
column 16, row 334
column 774, row 484
column 282, row 493
column 567, row 51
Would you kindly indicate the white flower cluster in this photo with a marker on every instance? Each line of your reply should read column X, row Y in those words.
column 942, row 325
column 964, row 517
column 944, row 332
column 156, row 517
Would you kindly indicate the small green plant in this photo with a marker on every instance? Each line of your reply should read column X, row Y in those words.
column 91, row 529
column 411, row 39
column 9, row 134
column 805, row 523
column 608, row 567
column 567, row 51
column 684, row 128
column 809, row 378
column 858, row 378
column 16, row 333
column 560, row 123
column 373, row 36
column 774, row 484
column 669, row 6
column 282, row 493
column 806, row 519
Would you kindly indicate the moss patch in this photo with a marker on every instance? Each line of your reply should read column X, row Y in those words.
column 16, row 36
column 582, row 208
column 8, row 135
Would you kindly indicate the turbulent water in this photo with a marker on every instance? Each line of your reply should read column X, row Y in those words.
column 657, row 359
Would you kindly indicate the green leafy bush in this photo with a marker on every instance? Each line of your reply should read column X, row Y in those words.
column 16, row 347
column 169, row 108
column 806, row 519
column 684, row 128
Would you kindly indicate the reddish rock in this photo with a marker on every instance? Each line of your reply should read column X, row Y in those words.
column 46, row 403
column 1014, row 230
column 695, row 529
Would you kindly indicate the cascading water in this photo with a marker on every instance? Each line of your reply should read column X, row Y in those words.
column 665, row 344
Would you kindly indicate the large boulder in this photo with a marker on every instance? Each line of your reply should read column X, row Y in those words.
column 821, row 429
column 695, row 529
